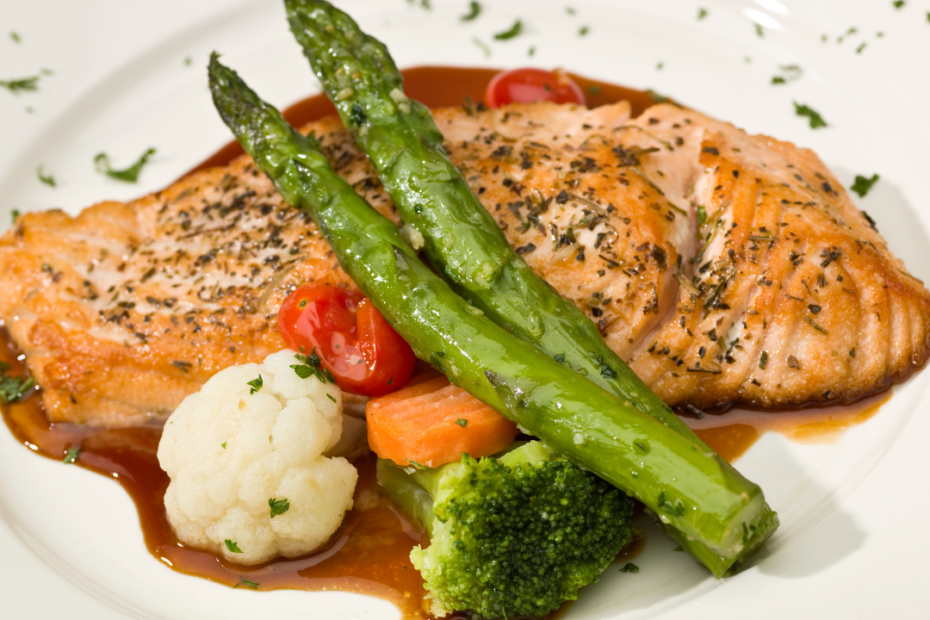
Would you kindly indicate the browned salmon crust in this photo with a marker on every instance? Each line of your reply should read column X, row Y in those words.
column 786, row 294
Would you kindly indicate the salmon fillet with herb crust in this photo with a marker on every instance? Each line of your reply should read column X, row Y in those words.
column 725, row 268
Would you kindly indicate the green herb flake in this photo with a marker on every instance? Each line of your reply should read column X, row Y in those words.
column 12, row 388
column 255, row 384
column 484, row 47
column 532, row 51
column 860, row 48
column 675, row 509
column 514, row 31
column 583, row 31
column 188, row 61
column 278, row 506
column 15, row 37
column 15, row 214
column 311, row 368
column 474, row 10
column 702, row 13
column 232, row 546
column 71, row 455
column 862, row 184
column 898, row 3
column 678, row 548
column 570, row 10
column 701, row 215
column 657, row 97
column 48, row 179
column 130, row 174
column 417, row 465
column 462, row 422
column 814, row 117
column 759, row 31
column 224, row 445
column 629, row 567
column 778, row 80
column 245, row 583
column 594, row 89
column 764, row 360
column 21, row 85
column 330, row 396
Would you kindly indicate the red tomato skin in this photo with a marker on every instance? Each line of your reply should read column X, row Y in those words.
column 528, row 85
column 353, row 340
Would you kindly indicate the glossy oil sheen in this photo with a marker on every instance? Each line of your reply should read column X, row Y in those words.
column 370, row 552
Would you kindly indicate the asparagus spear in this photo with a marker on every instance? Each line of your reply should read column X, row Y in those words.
column 691, row 489
column 405, row 147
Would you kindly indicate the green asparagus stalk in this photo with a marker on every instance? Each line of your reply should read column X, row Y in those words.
column 405, row 147
column 688, row 487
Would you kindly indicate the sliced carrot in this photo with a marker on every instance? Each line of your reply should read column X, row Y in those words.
column 431, row 422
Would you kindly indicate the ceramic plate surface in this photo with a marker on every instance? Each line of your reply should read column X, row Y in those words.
column 853, row 539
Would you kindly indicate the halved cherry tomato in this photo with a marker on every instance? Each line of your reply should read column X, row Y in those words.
column 354, row 342
column 529, row 85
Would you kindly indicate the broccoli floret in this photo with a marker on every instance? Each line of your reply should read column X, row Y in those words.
column 510, row 536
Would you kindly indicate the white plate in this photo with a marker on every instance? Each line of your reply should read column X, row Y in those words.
column 853, row 539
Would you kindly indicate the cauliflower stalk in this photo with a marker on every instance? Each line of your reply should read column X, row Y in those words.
column 246, row 455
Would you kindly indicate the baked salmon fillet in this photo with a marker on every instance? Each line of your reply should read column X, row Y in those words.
column 725, row 268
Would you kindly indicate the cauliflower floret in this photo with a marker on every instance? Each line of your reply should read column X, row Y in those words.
column 230, row 453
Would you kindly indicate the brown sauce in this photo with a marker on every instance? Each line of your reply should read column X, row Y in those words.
column 730, row 434
column 370, row 552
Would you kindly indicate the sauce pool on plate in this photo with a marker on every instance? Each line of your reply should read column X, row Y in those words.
column 370, row 552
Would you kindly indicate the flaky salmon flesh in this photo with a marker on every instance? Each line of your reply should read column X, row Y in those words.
column 725, row 268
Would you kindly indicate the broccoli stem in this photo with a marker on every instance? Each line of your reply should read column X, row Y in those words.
column 688, row 487
column 405, row 147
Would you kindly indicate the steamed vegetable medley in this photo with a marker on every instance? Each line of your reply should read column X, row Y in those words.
column 515, row 527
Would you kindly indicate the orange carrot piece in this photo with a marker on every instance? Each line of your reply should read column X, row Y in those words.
column 431, row 422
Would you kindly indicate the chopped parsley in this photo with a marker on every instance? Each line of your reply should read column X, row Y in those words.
column 660, row 65
column 583, row 31
column 245, row 583
column 12, row 388
column 224, row 445
column 759, row 31
column 130, row 174
column 658, row 98
column 21, row 85
column 594, row 89
column 48, row 179
column 462, row 422
column 278, row 506
column 330, row 396
column 532, row 51
column 473, row 12
column 764, row 360
column 815, row 119
column 629, row 567
column 860, row 48
column 310, row 367
column 514, row 31
column 676, row 508
column 15, row 36
column 71, row 455
column 188, row 61
column 423, row 3
column 701, row 215
column 862, row 184
column 255, row 384
column 791, row 73
column 482, row 45
column 702, row 13
column 570, row 10
column 15, row 214
column 232, row 546
column 898, row 3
